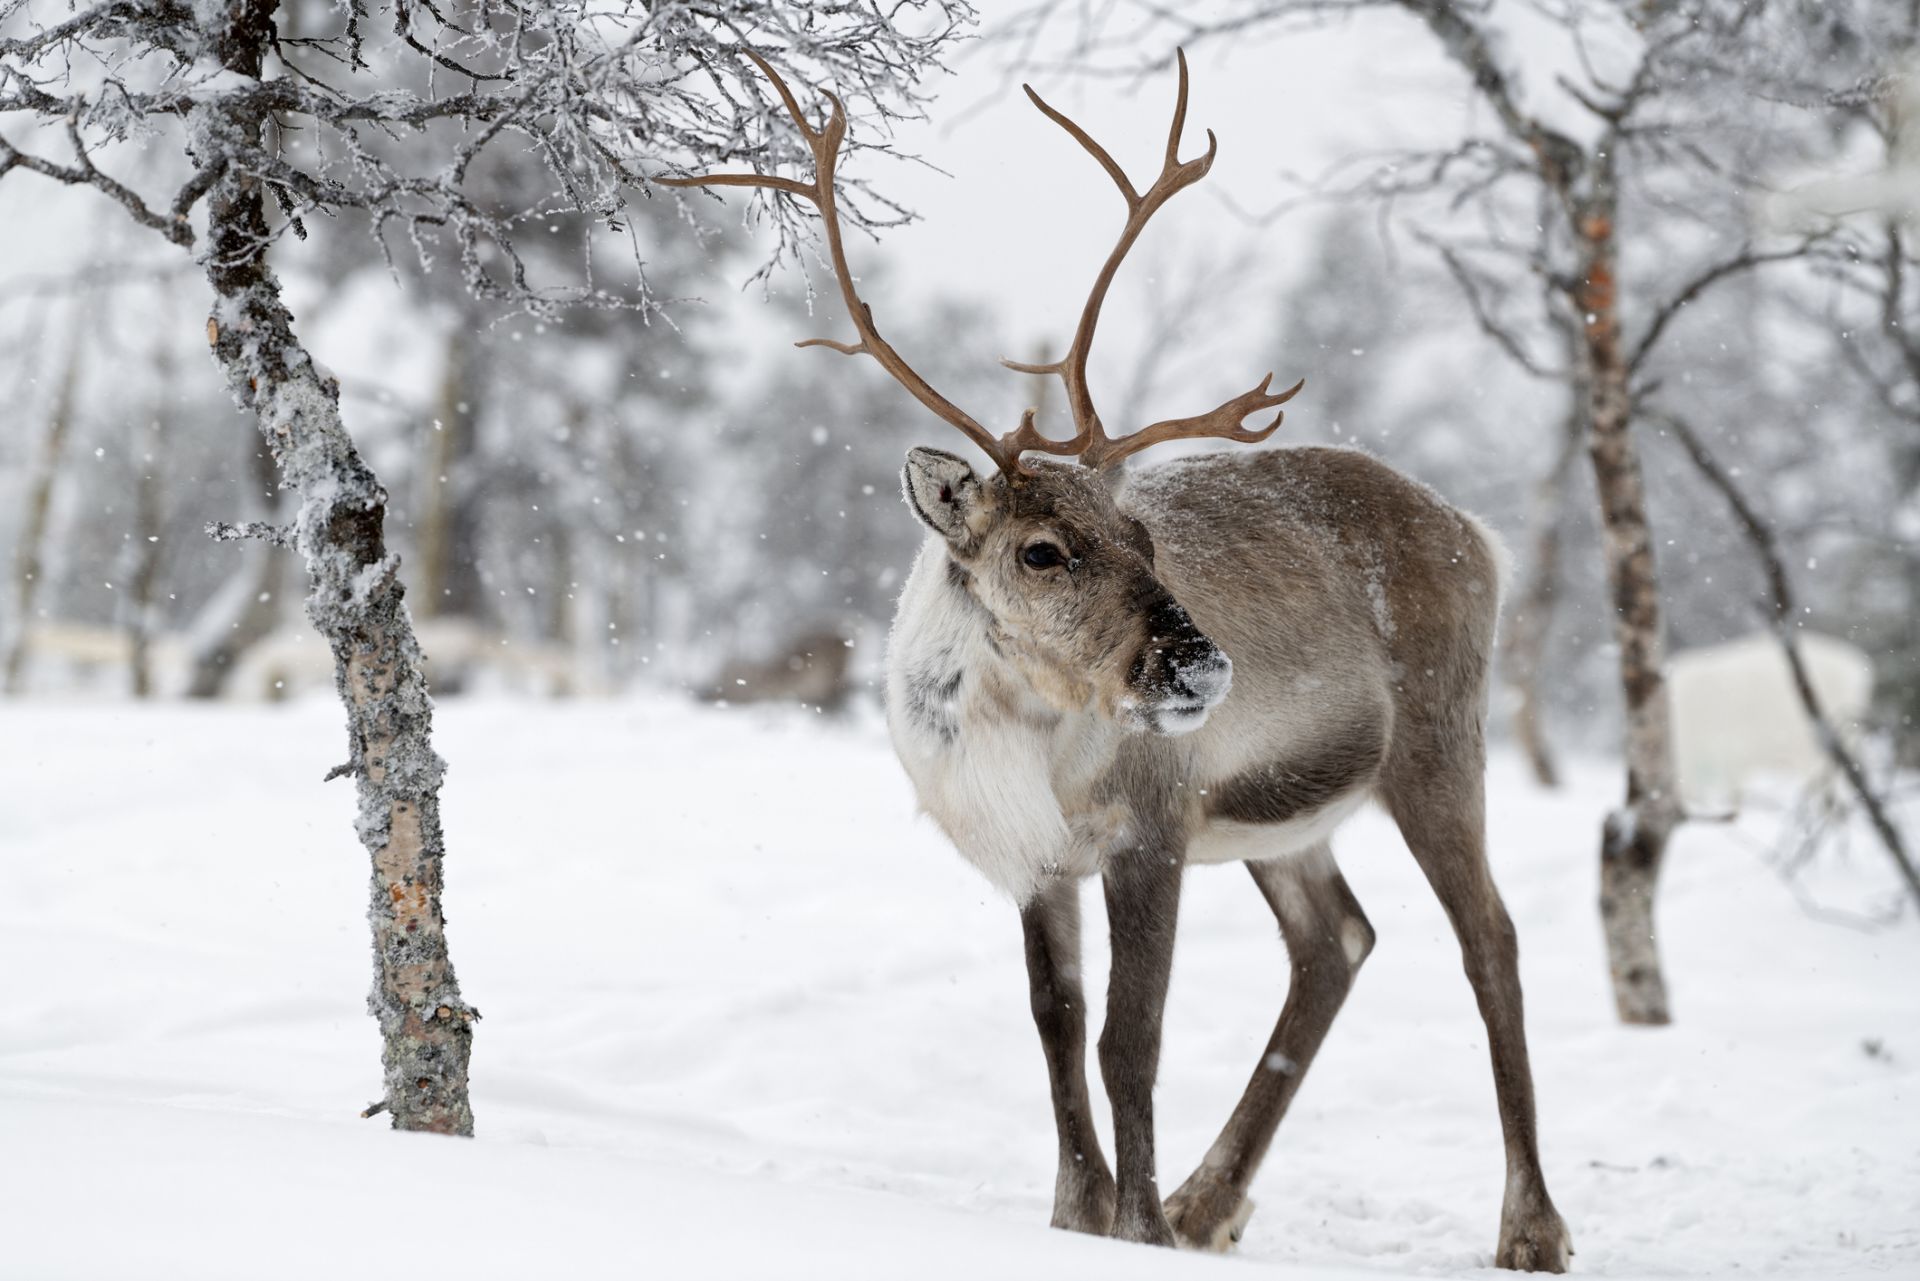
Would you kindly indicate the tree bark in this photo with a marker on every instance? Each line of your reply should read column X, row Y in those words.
column 1634, row 837
column 356, row 602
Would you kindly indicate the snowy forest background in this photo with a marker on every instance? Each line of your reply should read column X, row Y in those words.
column 622, row 496
column 619, row 495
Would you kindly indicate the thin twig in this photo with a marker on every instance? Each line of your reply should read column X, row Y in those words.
column 1781, row 610
column 1745, row 260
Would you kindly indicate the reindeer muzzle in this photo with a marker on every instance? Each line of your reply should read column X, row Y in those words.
column 1179, row 677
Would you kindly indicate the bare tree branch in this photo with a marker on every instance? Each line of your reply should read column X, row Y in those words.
column 1472, row 289
column 1781, row 610
column 604, row 95
column 84, row 174
column 1746, row 260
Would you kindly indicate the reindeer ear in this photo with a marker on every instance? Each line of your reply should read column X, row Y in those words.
column 945, row 494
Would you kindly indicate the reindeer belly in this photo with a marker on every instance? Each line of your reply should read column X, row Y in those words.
column 1291, row 803
column 1224, row 840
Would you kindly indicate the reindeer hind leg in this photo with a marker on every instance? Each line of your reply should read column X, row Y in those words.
column 1438, row 801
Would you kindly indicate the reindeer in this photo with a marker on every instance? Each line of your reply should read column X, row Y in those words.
column 1216, row 660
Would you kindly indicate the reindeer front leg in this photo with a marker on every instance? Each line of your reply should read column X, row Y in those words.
column 1143, row 902
column 1083, row 1188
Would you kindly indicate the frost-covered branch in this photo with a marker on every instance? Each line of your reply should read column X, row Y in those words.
column 222, row 531
column 604, row 95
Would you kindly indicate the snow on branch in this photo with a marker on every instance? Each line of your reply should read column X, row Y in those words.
column 222, row 531
column 356, row 116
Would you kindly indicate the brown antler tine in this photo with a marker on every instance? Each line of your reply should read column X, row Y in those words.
column 1222, row 423
column 836, row 129
column 1090, row 441
column 769, row 182
column 824, row 143
column 1027, row 437
column 1203, row 162
column 1179, row 112
column 786, row 95
column 844, row 348
column 1094, row 149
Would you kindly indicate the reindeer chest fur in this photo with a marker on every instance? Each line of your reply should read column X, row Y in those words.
column 1011, row 778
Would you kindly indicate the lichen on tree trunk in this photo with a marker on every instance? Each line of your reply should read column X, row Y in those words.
column 1633, row 839
column 356, row 602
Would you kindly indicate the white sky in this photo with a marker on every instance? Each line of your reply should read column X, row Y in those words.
column 1022, row 217
column 1025, row 216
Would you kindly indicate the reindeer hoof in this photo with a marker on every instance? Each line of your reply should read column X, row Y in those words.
column 1538, row 1244
column 1085, row 1205
column 1145, row 1226
column 1208, row 1219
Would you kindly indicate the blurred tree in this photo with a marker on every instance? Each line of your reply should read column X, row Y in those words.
column 811, row 508
column 246, row 608
column 281, row 113
column 29, row 573
column 146, row 447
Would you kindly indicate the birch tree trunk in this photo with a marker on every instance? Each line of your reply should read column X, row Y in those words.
column 1633, row 839
column 356, row 602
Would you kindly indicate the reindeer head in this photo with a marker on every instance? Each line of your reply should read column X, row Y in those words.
column 1068, row 580
column 1067, row 577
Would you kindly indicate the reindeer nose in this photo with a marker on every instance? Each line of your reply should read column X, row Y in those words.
column 1203, row 674
column 1185, row 666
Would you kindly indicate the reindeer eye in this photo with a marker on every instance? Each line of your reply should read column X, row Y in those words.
column 1042, row 556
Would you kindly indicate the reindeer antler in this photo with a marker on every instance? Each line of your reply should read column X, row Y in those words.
column 1090, row 441
column 824, row 143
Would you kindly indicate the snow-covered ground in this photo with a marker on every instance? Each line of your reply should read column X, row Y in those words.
column 746, row 1016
